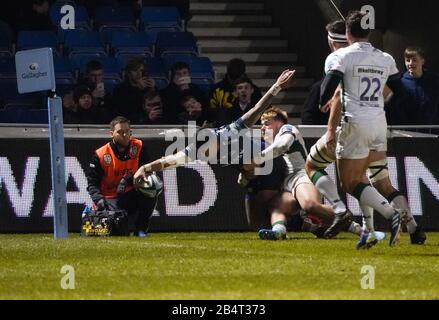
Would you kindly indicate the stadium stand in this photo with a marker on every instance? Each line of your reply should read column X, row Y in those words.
column 83, row 43
column 36, row 39
column 175, row 43
column 160, row 19
column 110, row 35
column 6, row 43
column 23, row 115
column 131, row 43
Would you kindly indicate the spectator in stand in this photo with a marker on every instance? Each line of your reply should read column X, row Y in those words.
column 152, row 109
column 83, row 111
column 35, row 16
column 180, row 86
column 244, row 89
column 418, row 101
column 128, row 96
column 94, row 80
column 223, row 94
column 193, row 110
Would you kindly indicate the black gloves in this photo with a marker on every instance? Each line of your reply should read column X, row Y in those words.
column 101, row 205
column 126, row 181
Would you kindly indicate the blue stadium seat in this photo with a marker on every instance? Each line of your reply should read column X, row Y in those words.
column 24, row 116
column 201, row 67
column 64, row 86
column 131, row 43
column 83, row 43
column 175, row 43
column 26, row 104
column 82, row 19
column 7, row 68
column 156, row 68
column 5, row 44
column 157, row 71
column 171, row 59
column 160, row 18
column 63, row 67
column 37, row 39
column 109, row 20
column 9, row 92
column 108, row 15
column 14, row 105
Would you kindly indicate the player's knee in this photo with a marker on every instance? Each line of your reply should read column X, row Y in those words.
column 310, row 205
column 378, row 171
column 310, row 169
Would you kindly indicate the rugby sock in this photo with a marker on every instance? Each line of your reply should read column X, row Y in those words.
column 367, row 218
column 367, row 195
column 355, row 228
column 279, row 227
column 328, row 189
column 398, row 201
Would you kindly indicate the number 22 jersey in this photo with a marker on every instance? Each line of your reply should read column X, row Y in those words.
column 365, row 71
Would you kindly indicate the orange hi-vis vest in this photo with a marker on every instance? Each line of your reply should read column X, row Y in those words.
column 115, row 169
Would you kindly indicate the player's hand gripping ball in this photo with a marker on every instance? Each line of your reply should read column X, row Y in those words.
column 151, row 187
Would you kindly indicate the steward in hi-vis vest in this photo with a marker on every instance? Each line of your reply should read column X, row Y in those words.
column 110, row 175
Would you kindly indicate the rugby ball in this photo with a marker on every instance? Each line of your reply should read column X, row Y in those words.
column 151, row 187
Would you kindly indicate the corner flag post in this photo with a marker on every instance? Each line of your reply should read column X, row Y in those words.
column 35, row 73
column 57, row 166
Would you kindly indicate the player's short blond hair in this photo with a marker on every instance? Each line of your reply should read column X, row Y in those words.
column 275, row 113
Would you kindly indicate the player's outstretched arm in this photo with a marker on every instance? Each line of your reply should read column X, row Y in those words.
column 168, row 162
column 283, row 82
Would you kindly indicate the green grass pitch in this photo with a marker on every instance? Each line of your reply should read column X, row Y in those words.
column 215, row 266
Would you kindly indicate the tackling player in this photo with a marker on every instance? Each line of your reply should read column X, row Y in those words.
column 289, row 144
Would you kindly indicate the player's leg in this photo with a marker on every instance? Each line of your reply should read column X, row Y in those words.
column 368, row 225
column 139, row 207
column 379, row 176
column 309, row 199
column 353, row 146
column 313, row 224
column 145, row 209
column 281, row 206
column 256, row 207
column 317, row 161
